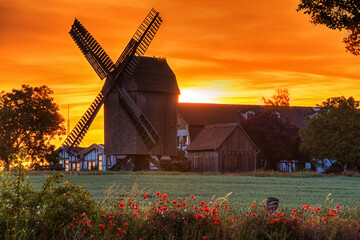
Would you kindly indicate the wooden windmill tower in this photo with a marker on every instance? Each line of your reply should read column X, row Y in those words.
column 140, row 96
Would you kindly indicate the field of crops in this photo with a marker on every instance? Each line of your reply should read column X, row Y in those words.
column 293, row 192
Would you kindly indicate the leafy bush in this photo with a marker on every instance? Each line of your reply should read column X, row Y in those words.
column 26, row 213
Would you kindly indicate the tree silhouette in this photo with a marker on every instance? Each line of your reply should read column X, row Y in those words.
column 336, row 14
column 29, row 120
column 281, row 98
column 277, row 140
column 334, row 132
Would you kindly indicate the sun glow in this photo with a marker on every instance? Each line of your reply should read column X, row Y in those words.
column 193, row 97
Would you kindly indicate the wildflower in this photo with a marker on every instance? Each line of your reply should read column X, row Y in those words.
column 146, row 194
column 102, row 225
column 125, row 224
column 135, row 214
column 174, row 202
column 202, row 203
column 184, row 204
column 158, row 193
column 337, row 206
column 294, row 211
column 84, row 232
column 198, row 216
column 136, row 208
column 164, row 196
column 253, row 214
column 122, row 205
column 192, row 196
column 155, row 228
column 204, row 237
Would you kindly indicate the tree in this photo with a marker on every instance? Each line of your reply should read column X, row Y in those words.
column 29, row 120
column 334, row 132
column 277, row 140
column 336, row 14
column 281, row 98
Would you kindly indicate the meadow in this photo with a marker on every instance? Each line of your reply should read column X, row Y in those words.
column 293, row 190
column 170, row 205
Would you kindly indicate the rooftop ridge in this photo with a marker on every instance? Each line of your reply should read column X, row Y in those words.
column 241, row 104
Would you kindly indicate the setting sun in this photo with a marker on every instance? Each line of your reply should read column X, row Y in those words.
column 192, row 96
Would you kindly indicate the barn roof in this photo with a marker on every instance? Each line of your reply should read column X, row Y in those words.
column 200, row 114
column 152, row 75
column 212, row 136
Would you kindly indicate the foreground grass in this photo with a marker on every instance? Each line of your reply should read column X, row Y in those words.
column 293, row 192
column 175, row 206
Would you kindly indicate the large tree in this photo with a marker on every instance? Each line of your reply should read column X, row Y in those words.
column 276, row 139
column 336, row 14
column 29, row 120
column 334, row 132
column 281, row 98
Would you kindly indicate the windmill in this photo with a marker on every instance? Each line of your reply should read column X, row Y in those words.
column 126, row 118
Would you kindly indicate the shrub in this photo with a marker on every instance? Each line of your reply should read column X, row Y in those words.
column 26, row 213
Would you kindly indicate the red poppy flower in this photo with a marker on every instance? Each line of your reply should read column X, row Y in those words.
column 122, row 205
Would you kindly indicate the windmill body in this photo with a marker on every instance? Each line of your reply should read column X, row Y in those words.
column 154, row 89
column 140, row 96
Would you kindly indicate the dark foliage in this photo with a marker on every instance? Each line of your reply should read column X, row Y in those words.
column 334, row 132
column 277, row 140
column 336, row 14
column 281, row 98
column 29, row 120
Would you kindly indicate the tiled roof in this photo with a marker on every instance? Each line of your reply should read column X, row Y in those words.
column 200, row 114
column 212, row 136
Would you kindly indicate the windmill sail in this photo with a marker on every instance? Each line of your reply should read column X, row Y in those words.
column 78, row 133
column 125, row 66
column 139, row 43
column 93, row 52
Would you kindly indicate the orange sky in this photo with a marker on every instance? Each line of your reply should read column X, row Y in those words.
column 230, row 51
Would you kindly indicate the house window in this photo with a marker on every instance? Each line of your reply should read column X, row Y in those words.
column 100, row 159
column 66, row 164
column 186, row 140
column 78, row 166
column 73, row 166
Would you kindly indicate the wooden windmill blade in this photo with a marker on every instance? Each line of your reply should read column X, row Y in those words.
column 147, row 132
column 75, row 137
column 138, row 44
column 93, row 52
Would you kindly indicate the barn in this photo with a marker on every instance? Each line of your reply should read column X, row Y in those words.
column 222, row 148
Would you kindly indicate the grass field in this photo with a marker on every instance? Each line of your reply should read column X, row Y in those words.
column 292, row 192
